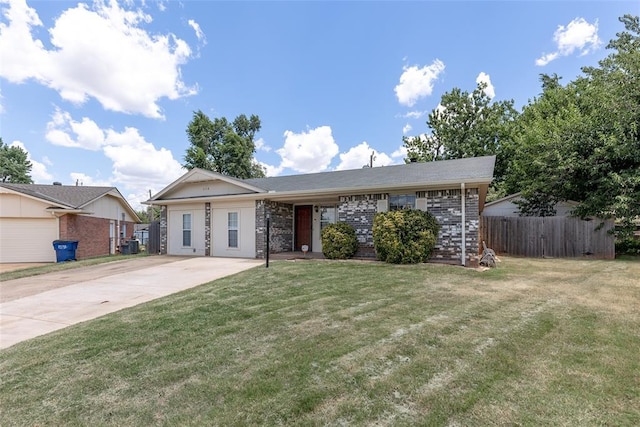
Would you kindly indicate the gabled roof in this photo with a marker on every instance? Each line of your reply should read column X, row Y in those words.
column 71, row 197
column 476, row 169
column 202, row 175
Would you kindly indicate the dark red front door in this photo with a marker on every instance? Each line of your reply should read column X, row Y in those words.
column 303, row 227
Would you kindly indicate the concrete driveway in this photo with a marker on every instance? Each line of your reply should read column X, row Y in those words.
column 37, row 305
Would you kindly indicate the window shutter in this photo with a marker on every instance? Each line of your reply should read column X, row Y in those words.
column 421, row 204
column 383, row 205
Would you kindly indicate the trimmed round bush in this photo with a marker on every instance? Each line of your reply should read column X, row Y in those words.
column 404, row 236
column 339, row 241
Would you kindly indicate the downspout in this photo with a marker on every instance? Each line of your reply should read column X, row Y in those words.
column 464, row 226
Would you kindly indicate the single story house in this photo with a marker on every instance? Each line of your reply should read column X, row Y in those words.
column 208, row 214
column 506, row 206
column 32, row 216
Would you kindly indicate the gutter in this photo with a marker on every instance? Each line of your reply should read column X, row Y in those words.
column 60, row 211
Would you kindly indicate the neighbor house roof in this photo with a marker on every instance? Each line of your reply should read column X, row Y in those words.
column 71, row 197
column 67, row 195
column 476, row 169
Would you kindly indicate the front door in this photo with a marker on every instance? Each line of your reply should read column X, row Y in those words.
column 303, row 227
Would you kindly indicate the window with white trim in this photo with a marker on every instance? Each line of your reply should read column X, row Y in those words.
column 327, row 216
column 402, row 201
column 232, row 227
column 186, row 230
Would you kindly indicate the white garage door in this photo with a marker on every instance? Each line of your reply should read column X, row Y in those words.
column 27, row 240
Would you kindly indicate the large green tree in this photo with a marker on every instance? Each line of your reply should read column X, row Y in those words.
column 466, row 125
column 15, row 166
column 222, row 146
column 582, row 141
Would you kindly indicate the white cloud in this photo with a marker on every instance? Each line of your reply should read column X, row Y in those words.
column 416, row 83
column 261, row 145
column 39, row 172
column 578, row 35
column 401, row 152
column 87, row 134
column 489, row 90
column 89, row 181
column 199, row 34
column 309, row 151
column 271, row 170
column 102, row 53
column 546, row 58
column 137, row 164
column 406, row 129
column 360, row 156
column 414, row 114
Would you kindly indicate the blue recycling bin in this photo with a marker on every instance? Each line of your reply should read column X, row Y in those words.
column 65, row 250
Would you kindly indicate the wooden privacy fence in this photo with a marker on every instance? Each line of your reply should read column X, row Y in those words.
column 153, row 244
column 553, row 237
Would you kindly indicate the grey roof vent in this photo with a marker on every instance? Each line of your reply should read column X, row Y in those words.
column 57, row 183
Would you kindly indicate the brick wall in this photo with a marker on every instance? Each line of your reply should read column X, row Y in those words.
column 91, row 233
column 358, row 211
column 207, row 229
column 446, row 206
column 163, row 230
column 280, row 230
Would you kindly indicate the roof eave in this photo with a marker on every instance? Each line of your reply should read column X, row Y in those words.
column 280, row 195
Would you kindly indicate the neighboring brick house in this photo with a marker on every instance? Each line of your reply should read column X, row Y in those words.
column 205, row 213
column 32, row 216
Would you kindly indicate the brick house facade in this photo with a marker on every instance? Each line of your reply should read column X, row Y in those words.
column 34, row 215
column 92, row 234
column 231, row 214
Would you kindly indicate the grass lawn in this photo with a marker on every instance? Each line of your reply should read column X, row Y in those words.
column 533, row 342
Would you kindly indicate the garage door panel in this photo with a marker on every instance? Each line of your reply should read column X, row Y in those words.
column 27, row 240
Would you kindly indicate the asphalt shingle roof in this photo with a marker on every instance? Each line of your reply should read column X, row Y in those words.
column 68, row 195
column 444, row 171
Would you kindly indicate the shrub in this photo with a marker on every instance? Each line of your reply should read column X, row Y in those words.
column 339, row 241
column 404, row 237
column 628, row 246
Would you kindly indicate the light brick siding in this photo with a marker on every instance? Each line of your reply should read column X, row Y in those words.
column 163, row 230
column 207, row 229
column 91, row 233
column 446, row 206
column 281, row 227
column 358, row 211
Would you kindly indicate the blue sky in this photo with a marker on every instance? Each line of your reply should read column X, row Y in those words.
column 101, row 93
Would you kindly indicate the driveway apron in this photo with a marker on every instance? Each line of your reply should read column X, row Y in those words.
column 91, row 297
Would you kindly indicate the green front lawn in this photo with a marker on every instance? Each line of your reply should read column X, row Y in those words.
column 533, row 342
